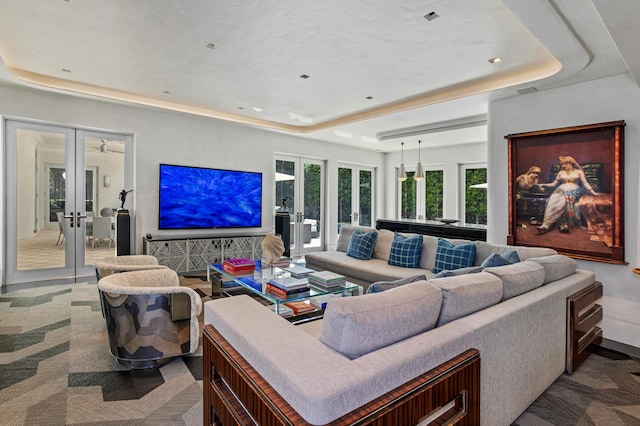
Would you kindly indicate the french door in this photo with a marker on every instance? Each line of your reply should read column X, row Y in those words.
column 58, row 179
column 356, row 195
column 300, row 182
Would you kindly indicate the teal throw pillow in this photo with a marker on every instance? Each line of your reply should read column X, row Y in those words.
column 405, row 251
column 361, row 244
column 449, row 257
column 496, row 259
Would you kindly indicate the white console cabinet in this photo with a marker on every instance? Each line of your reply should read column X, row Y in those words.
column 196, row 253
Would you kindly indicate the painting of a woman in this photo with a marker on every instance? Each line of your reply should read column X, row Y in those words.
column 562, row 208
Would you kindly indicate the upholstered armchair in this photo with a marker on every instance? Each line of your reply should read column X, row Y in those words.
column 150, row 318
column 136, row 262
column 114, row 264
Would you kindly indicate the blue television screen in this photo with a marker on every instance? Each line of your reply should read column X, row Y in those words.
column 197, row 197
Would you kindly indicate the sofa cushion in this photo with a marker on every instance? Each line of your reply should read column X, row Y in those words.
column 465, row 294
column 556, row 266
column 358, row 325
column 359, row 271
column 449, row 256
column 379, row 286
column 344, row 238
column 361, row 244
column 496, row 259
column 383, row 244
column 460, row 271
column 518, row 278
column 485, row 249
column 405, row 251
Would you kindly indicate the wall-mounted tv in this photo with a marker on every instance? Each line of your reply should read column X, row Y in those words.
column 200, row 198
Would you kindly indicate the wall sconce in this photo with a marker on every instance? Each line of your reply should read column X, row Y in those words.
column 107, row 181
column 402, row 173
column 419, row 172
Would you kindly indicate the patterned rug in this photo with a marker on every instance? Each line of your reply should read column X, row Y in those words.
column 603, row 391
column 55, row 369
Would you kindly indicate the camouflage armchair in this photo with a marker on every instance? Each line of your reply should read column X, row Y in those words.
column 150, row 318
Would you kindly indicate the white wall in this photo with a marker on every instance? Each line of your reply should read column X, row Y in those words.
column 177, row 138
column 447, row 158
column 610, row 99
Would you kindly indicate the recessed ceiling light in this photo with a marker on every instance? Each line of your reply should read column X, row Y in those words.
column 304, row 76
column 66, row 70
column 211, row 46
column 495, row 60
column 369, row 97
column 301, row 118
column 240, row 107
column 166, row 92
column 431, row 16
column 256, row 109
column 343, row 134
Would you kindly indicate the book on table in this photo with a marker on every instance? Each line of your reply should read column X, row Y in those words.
column 300, row 307
column 326, row 279
column 290, row 296
column 289, row 283
column 283, row 294
column 238, row 266
column 298, row 271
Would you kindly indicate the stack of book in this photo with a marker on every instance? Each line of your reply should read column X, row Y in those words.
column 298, row 271
column 287, row 287
column 283, row 262
column 326, row 279
column 300, row 307
column 239, row 266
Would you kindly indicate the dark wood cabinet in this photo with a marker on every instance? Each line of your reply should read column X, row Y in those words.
column 433, row 228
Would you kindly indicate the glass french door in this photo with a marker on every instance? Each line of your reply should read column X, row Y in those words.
column 57, row 179
column 300, row 183
column 355, row 195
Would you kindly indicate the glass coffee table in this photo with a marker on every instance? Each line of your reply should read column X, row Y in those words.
column 255, row 283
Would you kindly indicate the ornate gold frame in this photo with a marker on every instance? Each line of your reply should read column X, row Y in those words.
column 598, row 232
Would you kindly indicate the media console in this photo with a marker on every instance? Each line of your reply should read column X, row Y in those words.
column 190, row 254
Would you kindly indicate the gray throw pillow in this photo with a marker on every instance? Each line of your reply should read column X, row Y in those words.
column 457, row 272
column 380, row 286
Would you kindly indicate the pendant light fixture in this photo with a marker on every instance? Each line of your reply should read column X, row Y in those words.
column 402, row 173
column 419, row 172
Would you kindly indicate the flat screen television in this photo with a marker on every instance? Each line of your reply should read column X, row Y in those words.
column 201, row 198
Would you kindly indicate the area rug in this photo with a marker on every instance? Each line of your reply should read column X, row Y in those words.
column 603, row 391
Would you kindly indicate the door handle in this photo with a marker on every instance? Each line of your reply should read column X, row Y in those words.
column 70, row 216
column 79, row 216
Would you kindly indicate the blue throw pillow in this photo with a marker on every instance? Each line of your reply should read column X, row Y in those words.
column 496, row 259
column 456, row 272
column 380, row 286
column 450, row 257
column 405, row 251
column 361, row 244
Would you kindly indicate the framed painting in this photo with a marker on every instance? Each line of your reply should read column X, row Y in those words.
column 566, row 190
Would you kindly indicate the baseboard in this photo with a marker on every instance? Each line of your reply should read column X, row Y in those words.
column 616, row 350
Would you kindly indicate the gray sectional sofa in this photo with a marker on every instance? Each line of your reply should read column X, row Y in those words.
column 366, row 346
column 365, row 272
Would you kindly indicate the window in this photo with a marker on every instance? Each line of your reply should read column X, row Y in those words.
column 408, row 200
column 424, row 199
column 433, row 193
column 474, row 198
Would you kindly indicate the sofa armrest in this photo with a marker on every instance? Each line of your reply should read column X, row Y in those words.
column 234, row 390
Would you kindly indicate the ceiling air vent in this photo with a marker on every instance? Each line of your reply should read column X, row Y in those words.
column 527, row 91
